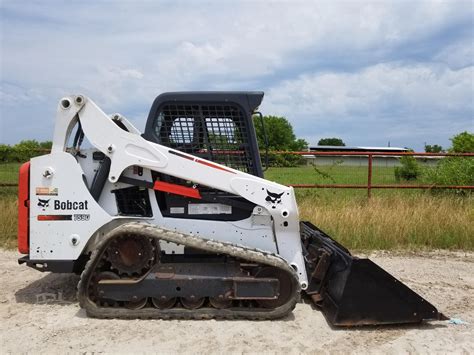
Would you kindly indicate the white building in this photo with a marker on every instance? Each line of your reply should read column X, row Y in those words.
column 356, row 160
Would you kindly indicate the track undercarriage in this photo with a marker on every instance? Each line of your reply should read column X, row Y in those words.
column 128, row 277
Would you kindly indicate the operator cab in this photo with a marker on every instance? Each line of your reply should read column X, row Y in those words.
column 215, row 126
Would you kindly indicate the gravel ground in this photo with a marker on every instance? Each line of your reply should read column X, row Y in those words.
column 39, row 313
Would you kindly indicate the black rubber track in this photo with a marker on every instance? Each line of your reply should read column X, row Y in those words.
column 150, row 231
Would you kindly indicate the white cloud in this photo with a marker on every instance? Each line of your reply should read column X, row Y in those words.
column 391, row 100
column 13, row 95
column 375, row 89
column 459, row 54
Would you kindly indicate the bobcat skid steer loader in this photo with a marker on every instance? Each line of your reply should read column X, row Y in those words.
column 178, row 222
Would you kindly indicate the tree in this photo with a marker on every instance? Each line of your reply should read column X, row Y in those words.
column 30, row 144
column 23, row 150
column 280, row 134
column 332, row 141
column 435, row 148
column 46, row 145
column 5, row 152
column 26, row 149
column 463, row 143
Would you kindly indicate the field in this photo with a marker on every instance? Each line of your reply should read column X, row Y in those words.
column 331, row 175
column 391, row 219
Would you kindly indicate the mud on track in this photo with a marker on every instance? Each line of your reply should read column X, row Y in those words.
column 39, row 313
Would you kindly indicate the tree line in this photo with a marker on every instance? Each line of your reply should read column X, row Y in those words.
column 23, row 151
column 276, row 134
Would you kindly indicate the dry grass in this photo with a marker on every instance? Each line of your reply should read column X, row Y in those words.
column 395, row 221
column 8, row 222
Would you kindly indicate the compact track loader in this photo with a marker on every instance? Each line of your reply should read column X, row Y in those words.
column 178, row 222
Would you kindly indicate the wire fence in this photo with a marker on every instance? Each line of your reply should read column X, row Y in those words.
column 342, row 170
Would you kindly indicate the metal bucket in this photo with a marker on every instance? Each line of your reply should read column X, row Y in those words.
column 352, row 291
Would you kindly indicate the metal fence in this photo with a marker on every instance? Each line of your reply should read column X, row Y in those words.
column 348, row 170
column 384, row 170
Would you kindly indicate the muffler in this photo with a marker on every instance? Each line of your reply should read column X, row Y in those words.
column 352, row 291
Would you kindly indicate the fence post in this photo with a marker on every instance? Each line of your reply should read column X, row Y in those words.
column 369, row 177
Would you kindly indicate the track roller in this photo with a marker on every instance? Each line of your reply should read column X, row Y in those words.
column 192, row 303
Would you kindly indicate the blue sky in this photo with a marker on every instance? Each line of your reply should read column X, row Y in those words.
column 368, row 72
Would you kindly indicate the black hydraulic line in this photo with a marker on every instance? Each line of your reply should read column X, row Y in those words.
column 100, row 178
column 136, row 182
column 265, row 138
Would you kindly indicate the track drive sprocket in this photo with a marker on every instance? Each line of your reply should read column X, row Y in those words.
column 131, row 255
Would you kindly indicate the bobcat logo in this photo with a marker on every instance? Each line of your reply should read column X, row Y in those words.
column 43, row 203
column 273, row 198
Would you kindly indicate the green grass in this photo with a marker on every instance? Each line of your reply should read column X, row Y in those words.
column 330, row 175
column 333, row 174
column 9, row 172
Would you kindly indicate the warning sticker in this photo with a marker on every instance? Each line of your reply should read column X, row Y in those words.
column 47, row 191
column 209, row 208
column 176, row 209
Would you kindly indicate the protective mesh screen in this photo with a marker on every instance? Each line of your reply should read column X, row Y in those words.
column 218, row 133
column 133, row 201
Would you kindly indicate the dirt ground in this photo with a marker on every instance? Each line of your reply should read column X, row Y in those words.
column 39, row 313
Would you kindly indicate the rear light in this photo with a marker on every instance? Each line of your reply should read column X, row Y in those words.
column 24, row 208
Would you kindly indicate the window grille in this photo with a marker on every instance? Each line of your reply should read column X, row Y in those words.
column 216, row 132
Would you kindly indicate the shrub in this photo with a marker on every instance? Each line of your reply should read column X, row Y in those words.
column 283, row 160
column 452, row 171
column 410, row 170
